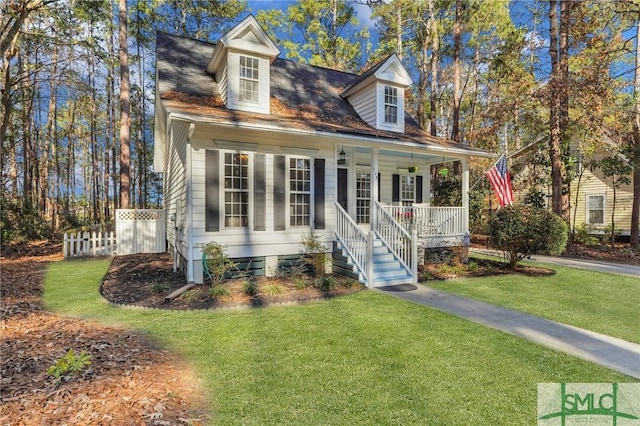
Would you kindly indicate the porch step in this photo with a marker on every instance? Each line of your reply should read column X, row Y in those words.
column 387, row 270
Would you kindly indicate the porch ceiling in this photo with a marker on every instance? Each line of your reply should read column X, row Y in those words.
column 422, row 157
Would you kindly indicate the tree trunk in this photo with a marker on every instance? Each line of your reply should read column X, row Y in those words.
column 435, row 58
column 554, row 113
column 125, row 109
column 457, row 52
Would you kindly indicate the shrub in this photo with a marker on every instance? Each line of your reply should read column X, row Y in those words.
column 159, row 287
column 325, row 283
column 314, row 253
column 520, row 231
column 584, row 234
column 273, row 289
column 217, row 262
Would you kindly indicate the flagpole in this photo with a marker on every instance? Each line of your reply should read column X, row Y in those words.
column 485, row 172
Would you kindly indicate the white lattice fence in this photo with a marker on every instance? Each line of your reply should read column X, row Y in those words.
column 140, row 231
column 88, row 244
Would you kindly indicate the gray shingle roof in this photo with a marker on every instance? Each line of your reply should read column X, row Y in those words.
column 302, row 96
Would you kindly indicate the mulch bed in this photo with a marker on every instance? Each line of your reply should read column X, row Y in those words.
column 130, row 381
column 146, row 280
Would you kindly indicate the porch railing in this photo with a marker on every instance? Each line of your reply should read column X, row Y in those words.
column 354, row 241
column 397, row 238
column 429, row 221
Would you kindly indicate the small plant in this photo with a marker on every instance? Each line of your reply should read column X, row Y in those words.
column 325, row 283
column 300, row 283
column 314, row 253
column 219, row 291
column 159, row 287
column 188, row 296
column 273, row 289
column 250, row 287
column 69, row 365
column 216, row 263
column 349, row 283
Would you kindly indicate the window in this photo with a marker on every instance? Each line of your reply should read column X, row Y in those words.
column 595, row 209
column 236, row 190
column 407, row 190
column 248, row 79
column 299, row 191
column 390, row 104
column 363, row 197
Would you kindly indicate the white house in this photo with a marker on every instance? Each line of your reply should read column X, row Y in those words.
column 257, row 152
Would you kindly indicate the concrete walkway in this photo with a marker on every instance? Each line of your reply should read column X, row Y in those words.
column 590, row 265
column 610, row 352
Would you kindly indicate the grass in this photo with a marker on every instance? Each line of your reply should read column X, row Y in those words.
column 600, row 302
column 361, row 359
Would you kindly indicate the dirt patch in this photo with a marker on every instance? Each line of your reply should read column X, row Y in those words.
column 129, row 381
column 147, row 279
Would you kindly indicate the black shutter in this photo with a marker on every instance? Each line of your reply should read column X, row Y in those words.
column 279, row 193
column 395, row 189
column 318, row 193
column 418, row 189
column 379, row 187
column 259, row 193
column 343, row 198
column 212, row 190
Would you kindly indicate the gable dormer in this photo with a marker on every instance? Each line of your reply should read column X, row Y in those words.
column 241, row 64
column 378, row 95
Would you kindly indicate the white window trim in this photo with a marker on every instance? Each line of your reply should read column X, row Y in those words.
column 222, row 191
column 288, row 224
column 401, row 192
column 386, row 104
column 241, row 78
column 587, row 210
column 359, row 172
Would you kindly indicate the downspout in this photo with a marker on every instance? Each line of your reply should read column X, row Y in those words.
column 189, row 207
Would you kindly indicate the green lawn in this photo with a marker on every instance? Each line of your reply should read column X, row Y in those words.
column 605, row 303
column 360, row 359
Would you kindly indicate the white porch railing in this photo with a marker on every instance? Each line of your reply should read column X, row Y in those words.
column 88, row 244
column 397, row 239
column 354, row 241
column 430, row 221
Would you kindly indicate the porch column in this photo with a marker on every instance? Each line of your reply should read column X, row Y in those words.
column 375, row 152
column 465, row 195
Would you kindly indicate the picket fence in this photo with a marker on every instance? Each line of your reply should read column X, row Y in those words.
column 89, row 244
column 137, row 231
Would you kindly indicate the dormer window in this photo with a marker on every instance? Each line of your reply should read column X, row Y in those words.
column 249, row 80
column 390, row 104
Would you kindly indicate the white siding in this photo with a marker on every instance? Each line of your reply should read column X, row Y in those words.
column 159, row 136
column 244, row 242
column 174, row 186
column 364, row 102
column 223, row 82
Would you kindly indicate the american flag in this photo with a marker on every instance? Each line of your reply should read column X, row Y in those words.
column 500, row 180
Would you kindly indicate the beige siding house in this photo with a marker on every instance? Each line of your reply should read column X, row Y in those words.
column 257, row 152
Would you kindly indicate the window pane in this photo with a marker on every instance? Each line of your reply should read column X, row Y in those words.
column 300, row 191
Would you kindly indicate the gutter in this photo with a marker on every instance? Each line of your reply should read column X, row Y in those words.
column 360, row 138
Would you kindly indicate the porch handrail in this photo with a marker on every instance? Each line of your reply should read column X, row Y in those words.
column 428, row 220
column 354, row 241
column 396, row 238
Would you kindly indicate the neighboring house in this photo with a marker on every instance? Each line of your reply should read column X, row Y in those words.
column 592, row 194
column 257, row 152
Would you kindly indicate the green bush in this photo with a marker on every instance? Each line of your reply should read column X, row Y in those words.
column 218, row 291
column 314, row 254
column 69, row 365
column 250, row 287
column 218, row 265
column 522, row 230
